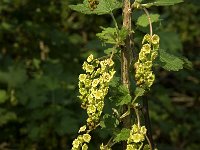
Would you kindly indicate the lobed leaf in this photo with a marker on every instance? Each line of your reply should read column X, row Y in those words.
column 170, row 62
column 162, row 3
column 113, row 36
column 143, row 19
column 139, row 92
column 122, row 136
column 104, row 7
column 124, row 100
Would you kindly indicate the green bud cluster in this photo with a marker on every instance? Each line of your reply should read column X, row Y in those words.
column 93, row 4
column 93, row 87
column 104, row 147
column 137, row 135
column 81, row 142
column 144, row 75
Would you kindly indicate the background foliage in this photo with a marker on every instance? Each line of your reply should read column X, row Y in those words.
column 42, row 47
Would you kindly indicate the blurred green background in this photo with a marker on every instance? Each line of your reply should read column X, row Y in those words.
column 42, row 47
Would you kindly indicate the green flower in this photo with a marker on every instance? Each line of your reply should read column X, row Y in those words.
column 131, row 147
column 84, row 147
column 155, row 39
column 90, row 58
column 86, row 138
column 98, row 94
column 143, row 130
column 91, row 109
column 89, row 68
column 100, row 105
column 112, row 72
column 135, row 128
column 142, row 56
column 102, row 147
column 82, row 129
column 88, row 83
column 137, row 138
column 147, row 38
column 110, row 62
column 106, row 77
column 90, row 98
column 82, row 77
column 146, row 48
column 154, row 55
column 82, row 91
column 76, row 143
column 148, row 64
column 85, row 64
column 95, row 82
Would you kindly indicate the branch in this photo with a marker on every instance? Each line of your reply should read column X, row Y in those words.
column 126, row 52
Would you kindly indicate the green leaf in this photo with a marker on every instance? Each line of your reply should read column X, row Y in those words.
column 162, row 3
column 114, row 82
column 6, row 116
column 144, row 22
column 124, row 100
column 123, row 89
column 187, row 64
column 113, row 36
column 170, row 41
column 122, row 136
column 170, row 62
column 139, row 92
column 3, row 96
column 104, row 7
column 122, row 36
column 15, row 76
column 108, row 35
column 166, row 2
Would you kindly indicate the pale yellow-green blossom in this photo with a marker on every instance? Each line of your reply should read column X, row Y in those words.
column 106, row 77
column 90, row 58
column 84, row 147
column 89, row 68
column 143, row 67
column 98, row 94
column 82, row 129
column 147, row 38
column 146, row 48
column 82, row 77
column 137, row 137
column 155, row 39
column 95, row 82
column 143, row 130
column 93, row 87
column 86, row 138
column 76, row 143
column 91, row 109
column 131, row 147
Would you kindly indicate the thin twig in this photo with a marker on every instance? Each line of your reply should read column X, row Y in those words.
column 149, row 19
column 149, row 142
column 137, row 115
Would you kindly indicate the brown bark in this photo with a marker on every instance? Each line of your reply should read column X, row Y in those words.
column 126, row 54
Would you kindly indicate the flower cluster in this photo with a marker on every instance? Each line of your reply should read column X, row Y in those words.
column 93, row 4
column 144, row 75
column 93, row 87
column 137, row 135
column 81, row 141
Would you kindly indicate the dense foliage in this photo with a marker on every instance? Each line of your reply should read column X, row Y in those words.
column 43, row 45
